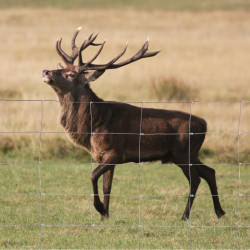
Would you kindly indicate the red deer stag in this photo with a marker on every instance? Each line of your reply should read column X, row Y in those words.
column 116, row 133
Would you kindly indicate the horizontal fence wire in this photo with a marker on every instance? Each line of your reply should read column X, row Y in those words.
column 92, row 164
column 117, row 164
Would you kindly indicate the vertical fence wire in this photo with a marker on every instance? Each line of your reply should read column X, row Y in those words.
column 91, row 170
column 239, row 163
column 139, row 194
column 39, row 174
column 190, row 176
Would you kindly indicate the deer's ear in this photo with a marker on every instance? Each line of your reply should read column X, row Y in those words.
column 92, row 76
column 59, row 66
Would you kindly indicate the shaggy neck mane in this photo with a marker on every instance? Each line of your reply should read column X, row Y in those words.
column 75, row 107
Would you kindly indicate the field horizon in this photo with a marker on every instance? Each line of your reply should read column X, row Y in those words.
column 166, row 5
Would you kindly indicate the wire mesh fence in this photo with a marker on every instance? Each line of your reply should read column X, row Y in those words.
column 139, row 193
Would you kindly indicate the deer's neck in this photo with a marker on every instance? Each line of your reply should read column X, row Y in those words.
column 77, row 111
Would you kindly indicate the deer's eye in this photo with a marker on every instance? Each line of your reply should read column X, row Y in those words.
column 71, row 75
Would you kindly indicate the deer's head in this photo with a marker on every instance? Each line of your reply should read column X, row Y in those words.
column 64, row 79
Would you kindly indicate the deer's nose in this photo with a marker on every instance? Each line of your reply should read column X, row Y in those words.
column 45, row 73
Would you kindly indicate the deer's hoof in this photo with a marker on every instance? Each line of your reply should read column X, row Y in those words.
column 100, row 208
column 184, row 217
column 104, row 217
column 220, row 212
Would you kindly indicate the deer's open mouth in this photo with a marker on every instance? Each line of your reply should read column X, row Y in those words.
column 47, row 79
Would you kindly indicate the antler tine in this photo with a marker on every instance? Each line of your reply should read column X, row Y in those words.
column 92, row 38
column 61, row 53
column 89, row 41
column 139, row 55
column 92, row 59
column 143, row 49
column 117, row 57
column 110, row 65
column 73, row 43
column 69, row 60
column 89, row 66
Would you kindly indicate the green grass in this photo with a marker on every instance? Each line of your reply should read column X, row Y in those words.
column 192, row 5
column 66, row 201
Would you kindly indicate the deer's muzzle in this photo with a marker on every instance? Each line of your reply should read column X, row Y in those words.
column 46, row 76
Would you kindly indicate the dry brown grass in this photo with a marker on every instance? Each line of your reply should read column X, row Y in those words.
column 208, row 50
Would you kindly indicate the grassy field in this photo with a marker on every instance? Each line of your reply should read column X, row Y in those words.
column 164, row 190
column 204, row 57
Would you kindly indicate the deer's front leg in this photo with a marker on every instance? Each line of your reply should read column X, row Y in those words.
column 107, row 184
column 101, row 169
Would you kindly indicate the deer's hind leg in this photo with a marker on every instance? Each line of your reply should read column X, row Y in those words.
column 194, row 181
column 208, row 174
column 182, row 160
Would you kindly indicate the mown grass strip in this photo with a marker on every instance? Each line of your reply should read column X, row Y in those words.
column 177, row 5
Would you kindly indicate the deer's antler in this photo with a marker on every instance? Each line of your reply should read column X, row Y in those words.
column 69, row 60
column 111, row 65
column 82, row 67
